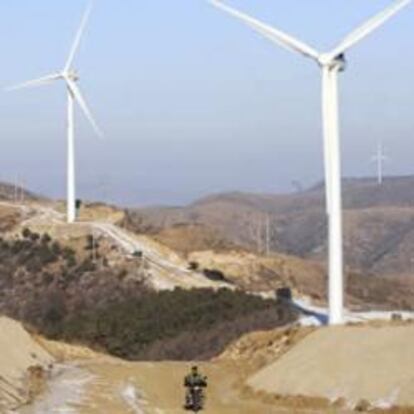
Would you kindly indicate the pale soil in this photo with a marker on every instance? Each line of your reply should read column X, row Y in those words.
column 360, row 362
column 20, row 357
column 115, row 387
column 99, row 384
column 90, row 383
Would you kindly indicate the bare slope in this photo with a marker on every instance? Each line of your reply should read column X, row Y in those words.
column 18, row 353
column 372, row 363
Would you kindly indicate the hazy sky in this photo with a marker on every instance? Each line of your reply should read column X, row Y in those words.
column 191, row 101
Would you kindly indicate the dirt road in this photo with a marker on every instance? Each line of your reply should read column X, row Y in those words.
column 116, row 387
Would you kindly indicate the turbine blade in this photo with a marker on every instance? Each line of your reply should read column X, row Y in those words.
column 36, row 82
column 82, row 103
column 367, row 28
column 276, row 36
column 78, row 37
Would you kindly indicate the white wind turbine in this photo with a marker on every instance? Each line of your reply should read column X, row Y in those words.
column 331, row 64
column 70, row 77
column 380, row 158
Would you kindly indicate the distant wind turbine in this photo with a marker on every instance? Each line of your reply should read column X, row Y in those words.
column 70, row 77
column 380, row 158
column 331, row 64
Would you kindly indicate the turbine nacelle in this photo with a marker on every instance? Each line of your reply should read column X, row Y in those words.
column 338, row 62
column 71, row 74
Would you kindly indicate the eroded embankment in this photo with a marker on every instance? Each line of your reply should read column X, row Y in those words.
column 23, row 365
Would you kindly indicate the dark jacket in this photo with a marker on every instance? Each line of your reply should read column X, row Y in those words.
column 195, row 380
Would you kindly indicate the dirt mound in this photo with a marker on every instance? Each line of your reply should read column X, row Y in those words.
column 357, row 363
column 22, row 365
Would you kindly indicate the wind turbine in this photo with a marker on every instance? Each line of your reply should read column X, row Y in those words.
column 70, row 77
column 331, row 64
column 380, row 158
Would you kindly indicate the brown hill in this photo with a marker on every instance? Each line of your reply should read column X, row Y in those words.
column 379, row 224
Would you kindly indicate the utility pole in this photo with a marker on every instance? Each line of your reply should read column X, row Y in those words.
column 380, row 158
column 15, row 191
column 267, row 234
column 22, row 186
column 260, row 231
column 259, row 235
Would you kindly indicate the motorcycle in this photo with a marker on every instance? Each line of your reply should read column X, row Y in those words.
column 195, row 399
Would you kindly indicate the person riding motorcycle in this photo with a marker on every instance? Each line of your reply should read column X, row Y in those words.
column 193, row 382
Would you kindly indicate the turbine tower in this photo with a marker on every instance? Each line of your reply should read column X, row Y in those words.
column 380, row 158
column 331, row 64
column 70, row 76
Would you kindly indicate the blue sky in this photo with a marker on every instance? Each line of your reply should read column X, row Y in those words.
column 193, row 102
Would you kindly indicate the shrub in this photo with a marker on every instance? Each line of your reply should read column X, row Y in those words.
column 67, row 252
column 46, row 255
column 47, row 278
column 34, row 237
column 46, row 239
column 56, row 249
column 18, row 246
column 54, row 314
column 180, row 324
column 215, row 275
column 87, row 266
column 194, row 266
column 26, row 233
column 33, row 266
column 71, row 261
column 4, row 245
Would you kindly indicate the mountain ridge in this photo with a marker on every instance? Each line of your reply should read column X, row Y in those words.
column 378, row 223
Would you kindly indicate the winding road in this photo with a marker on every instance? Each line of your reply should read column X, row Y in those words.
column 166, row 273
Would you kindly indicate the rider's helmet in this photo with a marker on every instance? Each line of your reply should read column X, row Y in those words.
column 194, row 369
